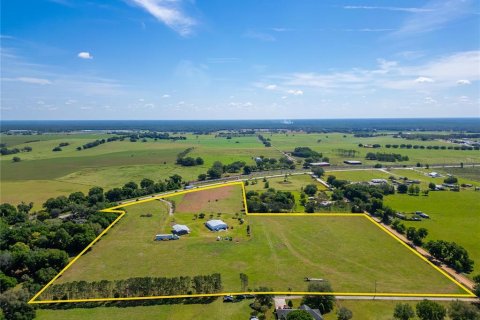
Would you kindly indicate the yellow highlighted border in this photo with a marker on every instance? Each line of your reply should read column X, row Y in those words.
column 121, row 213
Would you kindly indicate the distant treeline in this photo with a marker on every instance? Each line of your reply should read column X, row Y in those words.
column 435, row 136
column 135, row 287
column 5, row 151
column 198, row 126
column 133, row 138
column 266, row 141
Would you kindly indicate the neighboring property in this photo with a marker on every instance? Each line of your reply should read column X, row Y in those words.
column 378, row 181
column 165, row 237
column 319, row 164
column 352, row 162
column 216, row 225
column 434, row 175
column 180, row 229
column 282, row 314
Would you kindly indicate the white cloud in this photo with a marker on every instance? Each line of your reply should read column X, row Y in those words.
column 31, row 80
column 424, row 80
column 165, row 96
column 85, row 55
column 439, row 73
column 463, row 82
column 405, row 9
column 295, row 92
column 169, row 12
column 435, row 15
column 430, row 100
column 271, row 87
column 259, row 36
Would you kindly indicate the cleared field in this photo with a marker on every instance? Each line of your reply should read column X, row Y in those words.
column 330, row 143
column 454, row 216
column 37, row 191
column 358, row 175
column 372, row 309
column 280, row 253
column 215, row 310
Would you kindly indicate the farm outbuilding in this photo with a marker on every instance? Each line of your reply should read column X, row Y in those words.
column 216, row 225
column 180, row 229
column 163, row 237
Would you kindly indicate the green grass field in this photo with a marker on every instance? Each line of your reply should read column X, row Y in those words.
column 358, row 175
column 454, row 216
column 216, row 310
column 279, row 254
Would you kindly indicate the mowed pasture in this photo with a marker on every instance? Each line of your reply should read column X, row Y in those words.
column 329, row 143
column 351, row 252
column 454, row 216
column 216, row 310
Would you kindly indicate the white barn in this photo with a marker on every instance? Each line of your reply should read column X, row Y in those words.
column 180, row 229
column 216, row 225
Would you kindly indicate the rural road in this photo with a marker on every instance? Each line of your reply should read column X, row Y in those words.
column 283, row 298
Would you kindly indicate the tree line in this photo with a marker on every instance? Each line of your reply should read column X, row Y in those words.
column 266, row 141
column 5, row 151
column 135, row 287
column 387, row 157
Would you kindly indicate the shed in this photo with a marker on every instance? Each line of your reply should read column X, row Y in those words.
column 352, row 162
column 180, row 229
column 319, row 164
column 216, row 225
column 160, row 237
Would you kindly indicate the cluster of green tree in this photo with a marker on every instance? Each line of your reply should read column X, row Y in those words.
column 374, row 146
column 388, row 157
column 270, row 201
column 92, row 144
column 451, row 254
column 185, row 152
column 415, row 146
column 266, row 141
column 346, row 153
column 431, row 310
column 190, row 161
column 411, row 189
column 306, row 152
column 147, row 186
column 135, row 287
column 264, row 163
column 5, row 151
column 417, row 235
column 60, row 145
column 262, row 303
column 218, row 169
column 450, row 180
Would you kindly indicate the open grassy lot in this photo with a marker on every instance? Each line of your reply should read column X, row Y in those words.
column 465, row 173
column 454, row 216
column 111, row 164
column 279, row 254
column 358, row 175
column 215, row 310
column 372, row 309
column 329, row 143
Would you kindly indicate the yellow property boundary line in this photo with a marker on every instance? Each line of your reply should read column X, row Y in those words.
column 121, row 213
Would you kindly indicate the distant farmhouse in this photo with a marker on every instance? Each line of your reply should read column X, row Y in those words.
column 319, row 164
column 352, row 162
column 216, row 225
column 180, row 229
column 283, row 313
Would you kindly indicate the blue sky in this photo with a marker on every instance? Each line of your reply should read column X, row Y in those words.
column 239, row 59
